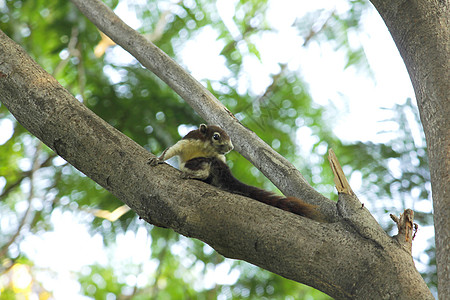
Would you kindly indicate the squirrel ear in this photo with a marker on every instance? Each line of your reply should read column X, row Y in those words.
column 203, row 128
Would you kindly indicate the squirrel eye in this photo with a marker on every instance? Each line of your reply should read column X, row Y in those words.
column 216, row 136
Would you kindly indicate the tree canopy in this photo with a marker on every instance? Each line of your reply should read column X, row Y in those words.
column 36, row 186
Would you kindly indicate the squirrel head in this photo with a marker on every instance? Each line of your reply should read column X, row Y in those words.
column 212, row 135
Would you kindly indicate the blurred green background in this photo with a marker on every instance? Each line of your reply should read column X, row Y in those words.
column 58, row 239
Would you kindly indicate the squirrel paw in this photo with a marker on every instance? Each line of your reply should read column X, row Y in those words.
column 154, row 161
column 194, row 175
column 185, row 175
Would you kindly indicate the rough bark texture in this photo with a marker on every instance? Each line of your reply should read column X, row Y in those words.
column 421, row 31
column 352, row 258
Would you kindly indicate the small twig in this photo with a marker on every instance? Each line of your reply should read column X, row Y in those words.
column 13, row 185
column 407, row 229
column 71, row 47
column 159, row 28
column 313, row 32
column 394, row 218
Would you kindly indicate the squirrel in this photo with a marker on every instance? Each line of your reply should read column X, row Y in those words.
column 202, row 157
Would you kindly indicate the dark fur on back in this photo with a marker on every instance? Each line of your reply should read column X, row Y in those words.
column 221, row 177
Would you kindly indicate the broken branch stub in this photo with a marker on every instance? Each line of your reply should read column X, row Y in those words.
column 406, row 228
column 340, row 180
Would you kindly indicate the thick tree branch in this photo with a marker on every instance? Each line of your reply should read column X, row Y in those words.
column 421, row 31
column 297, row 248
column 274, row 166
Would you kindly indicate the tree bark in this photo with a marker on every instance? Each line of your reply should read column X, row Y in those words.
column 351, row 258
column 421, row 31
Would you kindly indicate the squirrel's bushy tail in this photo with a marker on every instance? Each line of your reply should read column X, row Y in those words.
column 221, row 177
column 291, row 204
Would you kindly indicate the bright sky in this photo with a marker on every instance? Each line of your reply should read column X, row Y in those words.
column 322, row 68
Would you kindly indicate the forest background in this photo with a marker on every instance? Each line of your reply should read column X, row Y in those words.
column 303, row 82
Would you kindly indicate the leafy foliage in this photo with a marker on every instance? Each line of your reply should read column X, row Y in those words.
column 34, row 182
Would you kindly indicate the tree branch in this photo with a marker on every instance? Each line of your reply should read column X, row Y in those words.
column 274, row 166
column 317, row 254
